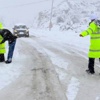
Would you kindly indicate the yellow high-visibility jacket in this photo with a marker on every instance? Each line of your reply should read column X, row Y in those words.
column 1, row 25
column 2, row 46
column 94, row 32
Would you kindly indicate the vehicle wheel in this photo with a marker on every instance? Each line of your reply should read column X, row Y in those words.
column 27, row 36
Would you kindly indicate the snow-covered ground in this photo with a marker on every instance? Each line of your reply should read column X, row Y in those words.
column 64, row 37
column 49, row 65
column 64, row 49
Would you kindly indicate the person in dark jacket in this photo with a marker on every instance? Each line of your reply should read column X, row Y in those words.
column 8, row 36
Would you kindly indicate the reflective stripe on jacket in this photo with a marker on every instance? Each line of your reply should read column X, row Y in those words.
column 94, row 32
column 2, row 46
column 1, row 25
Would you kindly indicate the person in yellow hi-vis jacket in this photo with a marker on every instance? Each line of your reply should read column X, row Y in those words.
column 94, row 50
column 2, row 46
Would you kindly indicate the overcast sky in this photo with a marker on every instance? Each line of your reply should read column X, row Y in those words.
column 16, row 11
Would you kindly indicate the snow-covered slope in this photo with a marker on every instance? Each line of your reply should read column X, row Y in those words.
column 68, row 14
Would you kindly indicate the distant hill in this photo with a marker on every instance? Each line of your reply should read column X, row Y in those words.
column 68, row 14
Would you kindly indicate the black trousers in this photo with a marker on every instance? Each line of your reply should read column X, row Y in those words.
column 2, row 58
column 91, row 64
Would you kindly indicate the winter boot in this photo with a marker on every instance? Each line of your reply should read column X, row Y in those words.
column 89, row 72
column 7, row 61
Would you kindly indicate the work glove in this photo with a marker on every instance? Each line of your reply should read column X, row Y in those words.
column 80, row 35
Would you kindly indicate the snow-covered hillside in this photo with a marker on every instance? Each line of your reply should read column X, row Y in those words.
column 68, row 14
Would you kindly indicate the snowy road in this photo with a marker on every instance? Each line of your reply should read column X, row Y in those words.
column 51, row 71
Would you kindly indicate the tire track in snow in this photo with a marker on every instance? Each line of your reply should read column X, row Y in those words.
column 38, row 81
column 77, row 64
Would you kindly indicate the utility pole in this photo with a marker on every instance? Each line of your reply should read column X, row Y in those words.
column 50, row 24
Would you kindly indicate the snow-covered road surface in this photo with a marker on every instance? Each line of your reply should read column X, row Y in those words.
column 51, row 71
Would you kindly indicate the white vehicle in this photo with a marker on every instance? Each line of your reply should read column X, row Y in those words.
column 21, row 30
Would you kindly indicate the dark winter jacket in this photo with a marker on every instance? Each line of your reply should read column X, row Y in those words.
column 7, row 36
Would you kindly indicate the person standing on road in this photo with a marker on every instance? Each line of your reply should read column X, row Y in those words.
column 2, row 47
column 8, row 36
column 94, row 50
